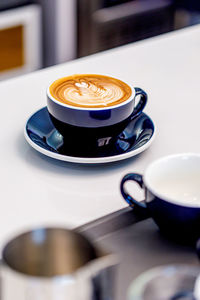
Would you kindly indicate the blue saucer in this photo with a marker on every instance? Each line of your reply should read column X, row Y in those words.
column 41, row 134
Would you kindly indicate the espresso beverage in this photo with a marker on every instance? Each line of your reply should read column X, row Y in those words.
column 90, row 91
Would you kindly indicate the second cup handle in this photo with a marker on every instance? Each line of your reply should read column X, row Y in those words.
column 142, row 102
column 127, row 197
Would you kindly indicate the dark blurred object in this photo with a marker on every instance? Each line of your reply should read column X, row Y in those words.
column 108, row 3
column 104, row 24
column 6, row 4
column 187, row 13
column 188, row 4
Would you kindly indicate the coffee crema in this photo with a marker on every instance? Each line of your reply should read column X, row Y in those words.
column 90, row 90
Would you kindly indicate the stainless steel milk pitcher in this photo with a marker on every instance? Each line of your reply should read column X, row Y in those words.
column 55, row 264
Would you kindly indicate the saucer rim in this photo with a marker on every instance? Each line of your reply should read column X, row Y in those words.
column 88, row 160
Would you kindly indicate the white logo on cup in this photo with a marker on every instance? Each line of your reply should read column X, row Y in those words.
column 103, row 141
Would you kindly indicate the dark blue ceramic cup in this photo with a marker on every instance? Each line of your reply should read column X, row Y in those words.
column 89, row 129
column 172, row 195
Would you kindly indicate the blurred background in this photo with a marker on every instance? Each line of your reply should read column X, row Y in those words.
column 40, row 33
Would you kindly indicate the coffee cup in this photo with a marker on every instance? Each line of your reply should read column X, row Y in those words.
column 91, row 111
column 55, row 263
column 172, row 195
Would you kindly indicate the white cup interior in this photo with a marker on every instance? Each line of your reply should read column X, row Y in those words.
column 176, row 179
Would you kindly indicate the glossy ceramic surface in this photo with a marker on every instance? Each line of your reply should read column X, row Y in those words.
column 42, row 136
column 177, row 218
column 96, row 117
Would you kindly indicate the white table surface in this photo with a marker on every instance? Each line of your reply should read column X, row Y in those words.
column 36, row 190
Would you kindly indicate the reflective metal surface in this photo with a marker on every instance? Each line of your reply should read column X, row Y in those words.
column 48, row 252
column 56, row 263
column 170, row 282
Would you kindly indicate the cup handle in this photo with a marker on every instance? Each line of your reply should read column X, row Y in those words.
column 128, row 198
column 142, row 102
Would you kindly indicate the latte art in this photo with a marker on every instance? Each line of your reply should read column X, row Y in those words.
column 91, row 93
column 90, row 90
